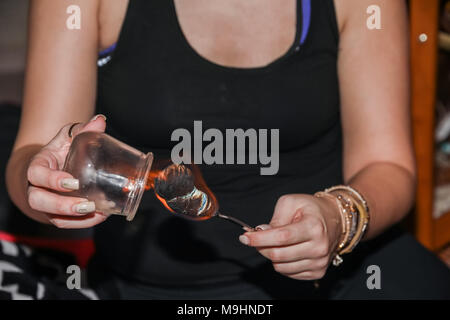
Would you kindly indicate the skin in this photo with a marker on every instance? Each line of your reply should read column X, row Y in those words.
column 302, row 236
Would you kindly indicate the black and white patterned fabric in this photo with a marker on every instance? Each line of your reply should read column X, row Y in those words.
column 37, row 274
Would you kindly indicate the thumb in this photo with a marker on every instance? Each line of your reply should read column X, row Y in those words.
column 97, row 124
column 263, row 227
column 289, row 209
column 68, row 132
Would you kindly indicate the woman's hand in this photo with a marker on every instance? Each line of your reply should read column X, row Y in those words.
column 44, row 176
column 301, row 238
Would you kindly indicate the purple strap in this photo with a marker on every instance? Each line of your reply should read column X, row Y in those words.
column 108, row 50
column 306, row 19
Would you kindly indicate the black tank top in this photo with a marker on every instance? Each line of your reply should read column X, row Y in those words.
column 154, row 82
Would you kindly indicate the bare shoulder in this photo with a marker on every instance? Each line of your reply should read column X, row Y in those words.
column 111, row 18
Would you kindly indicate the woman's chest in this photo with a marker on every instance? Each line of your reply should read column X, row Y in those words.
column 232, row 33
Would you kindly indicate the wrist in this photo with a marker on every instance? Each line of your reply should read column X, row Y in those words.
column 333, row 219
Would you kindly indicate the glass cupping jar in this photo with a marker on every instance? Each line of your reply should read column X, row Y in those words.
column 110, row 173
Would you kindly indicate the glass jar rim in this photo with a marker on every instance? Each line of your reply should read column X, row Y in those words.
column 135, row 196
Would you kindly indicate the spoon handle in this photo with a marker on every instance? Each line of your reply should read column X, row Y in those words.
column 244, row 226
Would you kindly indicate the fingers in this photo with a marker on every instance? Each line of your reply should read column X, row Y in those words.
column 49, row 202
column 309, row 275
column 97, row 123
column 287, row 254
column 64, row 137
column 43, row 169
column 302, row 266
column 304, row 250
column 40, row 175
column 81, row 222
column 285, row 204
column 65, row 212
column 296, row 241
column 305, row 261
column 282, row 236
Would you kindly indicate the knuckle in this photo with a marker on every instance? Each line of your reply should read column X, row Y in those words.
column 278, row 267
column 322, row 263
column 53, row 221
column 33, row 198
column 59, row 206
column 284, row 235
column 31, row 173
column 325, row 249
column 59, row 223
column 52, row 181
column 316, row 229
column 30, row 188
column 103, row 218
column 275, row 222
column 275, row 255
column 303, row 276
column 321, row 250
column 64, row 131
column 93, row 223
column 318, row 274
column 285, row 200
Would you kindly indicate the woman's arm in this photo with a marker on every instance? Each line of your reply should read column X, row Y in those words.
column 378, row 154
column 374, row 85
column 59, row 88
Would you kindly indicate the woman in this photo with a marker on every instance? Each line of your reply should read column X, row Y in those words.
column 336, row 89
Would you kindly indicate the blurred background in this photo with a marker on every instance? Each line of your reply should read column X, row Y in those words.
column 13, row 31
column 430, row 105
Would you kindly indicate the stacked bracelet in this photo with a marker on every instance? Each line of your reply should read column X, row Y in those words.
column 354, row 215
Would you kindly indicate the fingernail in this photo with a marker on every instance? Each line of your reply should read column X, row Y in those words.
column 84, row 207
column 71, row 184
column 97, row 116
column 262, row 227
column 244, row 239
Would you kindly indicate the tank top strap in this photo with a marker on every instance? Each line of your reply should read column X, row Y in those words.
column 310, row 14
column 304, row 19
column 317, row 26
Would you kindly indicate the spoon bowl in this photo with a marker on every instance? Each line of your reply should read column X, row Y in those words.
column 181, row 193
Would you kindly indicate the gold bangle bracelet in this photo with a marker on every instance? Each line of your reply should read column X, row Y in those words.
column 354, row 214
column 363, row 220
column 347, row 213
column 353, row 191
column 351, row 212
